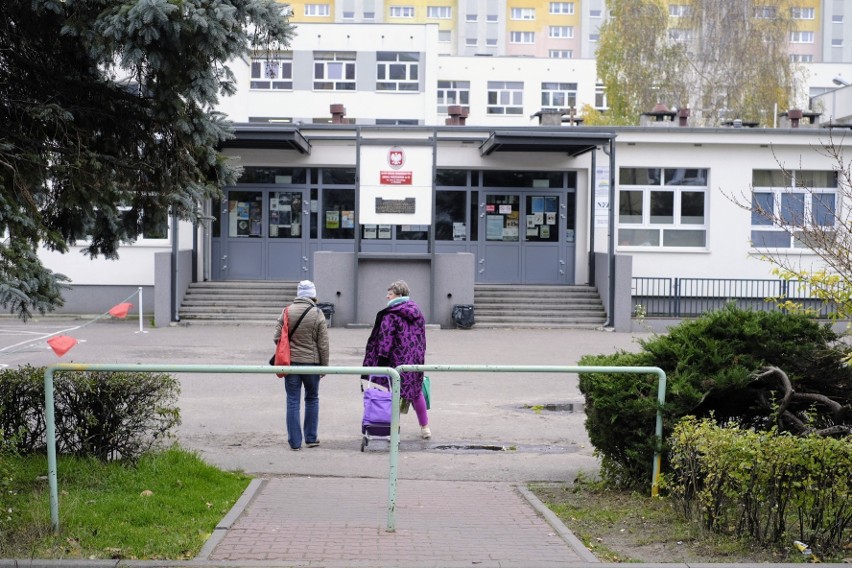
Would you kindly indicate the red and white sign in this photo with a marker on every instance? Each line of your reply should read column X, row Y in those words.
column 395, row 178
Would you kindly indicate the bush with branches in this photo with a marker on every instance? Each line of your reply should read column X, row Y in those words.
column 723, row 364
column 98, row 414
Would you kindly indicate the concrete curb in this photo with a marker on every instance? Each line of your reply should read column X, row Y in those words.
column 230, row 518
column 557, row 525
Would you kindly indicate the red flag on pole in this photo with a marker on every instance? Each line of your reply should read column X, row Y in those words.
column 120, row 310
column 61, row 344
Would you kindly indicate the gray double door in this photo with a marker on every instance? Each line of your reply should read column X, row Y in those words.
column 524, row 237
column 263, row 235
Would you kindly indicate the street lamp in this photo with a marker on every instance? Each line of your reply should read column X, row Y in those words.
column 840, row 81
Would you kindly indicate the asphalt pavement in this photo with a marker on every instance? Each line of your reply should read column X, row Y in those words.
column 461, row 498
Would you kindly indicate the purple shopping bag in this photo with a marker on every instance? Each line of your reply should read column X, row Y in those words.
column 377, row 407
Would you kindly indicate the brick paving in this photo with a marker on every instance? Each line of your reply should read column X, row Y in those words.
column 316, row 521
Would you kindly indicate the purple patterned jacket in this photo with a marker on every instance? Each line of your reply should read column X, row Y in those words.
column 399, row 338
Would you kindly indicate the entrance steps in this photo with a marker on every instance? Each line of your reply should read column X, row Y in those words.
column 245, row 302
column 495, row 305
column 529, row 306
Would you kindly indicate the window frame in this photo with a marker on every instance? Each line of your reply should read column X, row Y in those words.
column 791, row 189
column 522, row 38
column 567, row 90
column 802, row 36
column 522, row 14
column 406, row 61
column 560, row 54
column 803, row 13
column 561, row 8
column 560, row 32
column 507, row 97
column 461, row 89
column 662, row 197
column 403, row 12
column 346, row 60
column 317, row 10
column 443, row 12
column 260, row 67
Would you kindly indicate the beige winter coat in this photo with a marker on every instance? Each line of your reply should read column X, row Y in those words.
column 309, row 343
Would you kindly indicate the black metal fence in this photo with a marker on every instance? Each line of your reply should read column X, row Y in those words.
column 688, row 297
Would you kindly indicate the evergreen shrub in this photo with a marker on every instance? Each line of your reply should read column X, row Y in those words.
column 710, row 363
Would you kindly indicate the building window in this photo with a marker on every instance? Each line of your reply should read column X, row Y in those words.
column 600, row 97
column 561, row 32
column 595, row 13
column 491, row 42
column 678, row 10
column 445, row 36
column 662, row 207
column 785, row 203
column 803, row 13
column 837, row 42
column 593, row 38
column 439, row 12
column 505, row 97
column 558, row 95
column 678, row 35
column 334, row 70
column 764, row 12
column 801, row 58
column 801, row 37
column 369, row 16
column 471, row 41
column 523, row 14
column 272, row 73
column 317, row 10
column 348, row 15
column 402, row 11
column 397, row 71
column 837, row 18
column 470, row 17
column 453, row 93
column 522, row 37
column 560, row 54
column 491, row 18
column 562, row 8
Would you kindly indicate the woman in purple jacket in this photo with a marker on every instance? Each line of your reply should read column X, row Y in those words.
column 399, row 338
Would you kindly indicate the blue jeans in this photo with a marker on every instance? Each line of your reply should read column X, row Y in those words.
column 293, row 385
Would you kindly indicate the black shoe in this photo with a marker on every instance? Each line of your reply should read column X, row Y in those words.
column 313, row 444
column 296, row 449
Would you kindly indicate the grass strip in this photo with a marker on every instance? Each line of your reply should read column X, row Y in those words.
column 165, row 506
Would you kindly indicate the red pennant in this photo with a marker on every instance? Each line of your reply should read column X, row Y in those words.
column 120, row 310
column 61, row 344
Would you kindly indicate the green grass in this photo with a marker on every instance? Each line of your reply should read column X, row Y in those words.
column 163, row 507
column 618, row 526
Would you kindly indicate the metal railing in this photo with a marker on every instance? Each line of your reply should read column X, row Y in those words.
column 50, row 420
column 689, row 297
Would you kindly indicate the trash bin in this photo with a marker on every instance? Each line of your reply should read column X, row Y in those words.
column 327, row 310
column 463, row 315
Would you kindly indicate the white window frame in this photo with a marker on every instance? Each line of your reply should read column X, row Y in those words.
column 470, row 18
column 523, row 38
column 439, row 12
column 505, row 98
column 317, row 10
column 492, row 18
column 471, row 41
column 837, row 42
column 453, row 93
column 803, row 13
column 600, row 97
column 491, row 42
column 837, row 18
column 560, row 54
column 594, row 38
column 272, row 73
column 787, row 234
column 802, row 58
column 801, row 37
column 678, row 10
column 560, row 32
column 398, row 71
column 338, row 70
column 445, row 36
column 648, row 232
column 562, row 8
column 523, row 14
column 595, row 13
column 558, row 95
column 406, row 12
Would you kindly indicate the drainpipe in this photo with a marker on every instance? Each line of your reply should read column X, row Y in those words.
column 610, row 151
column 592, row 213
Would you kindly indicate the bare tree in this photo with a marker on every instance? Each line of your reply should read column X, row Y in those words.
column 724, row 59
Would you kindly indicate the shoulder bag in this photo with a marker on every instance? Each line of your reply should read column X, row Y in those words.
column 282, row 350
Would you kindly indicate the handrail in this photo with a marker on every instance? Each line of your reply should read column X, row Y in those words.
column 394, row 373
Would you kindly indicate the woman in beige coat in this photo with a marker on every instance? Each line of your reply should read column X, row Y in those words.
column 308, row 346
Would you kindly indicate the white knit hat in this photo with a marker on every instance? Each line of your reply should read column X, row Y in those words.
column 306, row 290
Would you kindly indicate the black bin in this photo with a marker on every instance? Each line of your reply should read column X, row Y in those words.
column 327, row 310
column 463, row 315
